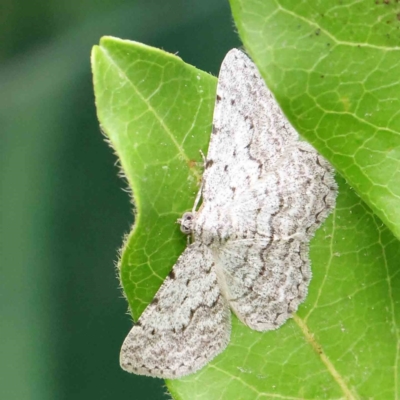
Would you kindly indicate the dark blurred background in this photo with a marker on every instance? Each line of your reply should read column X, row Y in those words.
column 63, row 211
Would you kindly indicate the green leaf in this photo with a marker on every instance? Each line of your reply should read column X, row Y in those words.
column 334, row 68
column 156, row 112
column 344, row 340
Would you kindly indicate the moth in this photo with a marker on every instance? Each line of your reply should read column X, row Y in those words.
column 264, row 193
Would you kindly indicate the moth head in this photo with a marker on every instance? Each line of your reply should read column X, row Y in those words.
column 186, row 223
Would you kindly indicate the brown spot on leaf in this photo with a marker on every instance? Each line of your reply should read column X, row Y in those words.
column 192, row 163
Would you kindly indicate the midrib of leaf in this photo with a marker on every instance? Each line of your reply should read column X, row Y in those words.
column 310, row 337
column 160, row 120
column 324, row 358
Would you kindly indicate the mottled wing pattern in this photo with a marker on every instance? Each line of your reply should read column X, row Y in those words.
column 186, row 325
column 266, row 193
column 264, row 281
column 243, row 116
